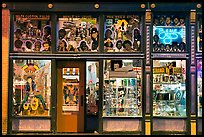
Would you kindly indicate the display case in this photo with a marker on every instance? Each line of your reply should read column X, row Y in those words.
column 169, row 88
column 122, row 89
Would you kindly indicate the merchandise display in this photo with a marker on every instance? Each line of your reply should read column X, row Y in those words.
column 122, row 91
column 92, row 88
column 169, row 88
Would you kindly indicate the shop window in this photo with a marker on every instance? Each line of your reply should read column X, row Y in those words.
column 32, row 33
column 169, row 34
column 169, row 88
column 199, row 86
column 122, row 88
column 31, row 87
column 122, row 33
column 92, row 87
column 199, row 38
column 77, row 34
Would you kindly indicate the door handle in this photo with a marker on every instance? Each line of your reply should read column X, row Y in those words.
column 82, row 100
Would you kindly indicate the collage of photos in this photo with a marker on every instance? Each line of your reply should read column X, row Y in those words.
column 32, row 33
column 77, row 34
column 122, row 34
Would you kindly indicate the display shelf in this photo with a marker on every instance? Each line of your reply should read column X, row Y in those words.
column 119, row 92
column 169, row 90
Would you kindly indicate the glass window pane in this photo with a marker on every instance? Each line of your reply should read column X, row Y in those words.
column 31, row 87
column 70, row 89
column 92, row 87
column 199, row 38
column 122, row 88
column 32, row 33
column 169, row 88
column 199, row 86
column 122, row 33
column 77, row 34
column 169, row 34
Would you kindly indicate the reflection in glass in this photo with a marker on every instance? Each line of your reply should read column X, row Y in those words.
column 169, row 88
column 92, row 87
column 123, row 29
column 32, row 33
column 31, row 87
column 77, row 34
column 122, row 88
column 70, row 89
column 169, row 34
column 199, row 86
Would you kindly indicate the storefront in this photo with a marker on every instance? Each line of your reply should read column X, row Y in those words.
column 106, row 67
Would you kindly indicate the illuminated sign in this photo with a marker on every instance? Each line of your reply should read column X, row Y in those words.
column 170, row 34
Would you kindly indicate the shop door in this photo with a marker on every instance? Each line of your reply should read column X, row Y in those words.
column 70, row 96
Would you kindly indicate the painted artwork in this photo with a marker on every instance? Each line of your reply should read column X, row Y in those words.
column 70, row 89
column 77, row 34
column 32, row 33
column 31, row 87
column 122, row 33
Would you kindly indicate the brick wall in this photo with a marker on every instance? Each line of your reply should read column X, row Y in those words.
column 5, row 52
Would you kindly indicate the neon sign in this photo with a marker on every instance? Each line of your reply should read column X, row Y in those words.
column 167, row 35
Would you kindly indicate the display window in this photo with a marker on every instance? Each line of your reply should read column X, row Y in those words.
column 77, row 33
column 122, row 94
column 122, row 33
column 32, row 33
column 199, row 87
column 199, row 36
column 31, row 87
column 92, row 87
column 169, row 33
column 169, row 88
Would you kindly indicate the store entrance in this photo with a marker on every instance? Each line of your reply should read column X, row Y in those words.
column 70, row 96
